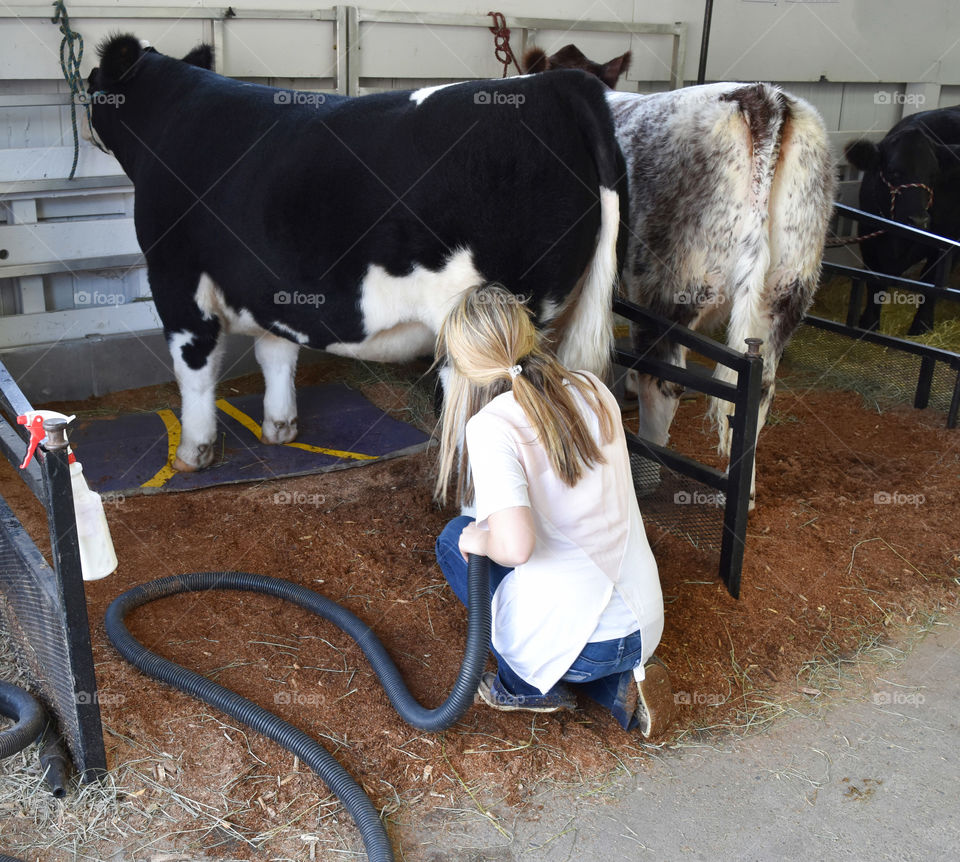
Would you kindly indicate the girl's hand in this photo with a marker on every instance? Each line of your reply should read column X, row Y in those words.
column 473, row 540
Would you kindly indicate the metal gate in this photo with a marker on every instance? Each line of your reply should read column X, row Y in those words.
column 702, row 504
column 900, row 358
column 46, row 610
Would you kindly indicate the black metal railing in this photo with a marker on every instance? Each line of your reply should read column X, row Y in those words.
column 937, row 289
column 47, row 609
column 734, row 483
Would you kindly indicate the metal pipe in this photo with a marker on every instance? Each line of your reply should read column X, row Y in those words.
column 705, row 41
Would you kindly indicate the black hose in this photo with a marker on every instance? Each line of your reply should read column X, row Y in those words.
column 54, row 762
column 29, row 716
column 296, row 741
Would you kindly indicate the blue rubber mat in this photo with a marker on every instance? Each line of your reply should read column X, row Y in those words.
column 338, row 428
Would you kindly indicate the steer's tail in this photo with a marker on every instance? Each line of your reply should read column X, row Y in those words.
column 587, row 342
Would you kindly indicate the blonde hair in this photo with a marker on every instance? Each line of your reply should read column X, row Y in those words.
column 485, row 336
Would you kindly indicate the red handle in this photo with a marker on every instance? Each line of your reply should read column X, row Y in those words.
column 36, row 435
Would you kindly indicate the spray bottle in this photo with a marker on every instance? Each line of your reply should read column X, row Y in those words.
column 97, row 556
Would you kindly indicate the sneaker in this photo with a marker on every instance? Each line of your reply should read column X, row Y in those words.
column 492, row 693
column 655, row 703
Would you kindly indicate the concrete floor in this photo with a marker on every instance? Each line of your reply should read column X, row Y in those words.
column 875, row 777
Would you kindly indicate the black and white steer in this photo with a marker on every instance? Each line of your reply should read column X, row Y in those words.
column 351, row 225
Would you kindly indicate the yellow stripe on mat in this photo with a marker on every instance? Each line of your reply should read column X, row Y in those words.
column 166, row 472
column 255, row 429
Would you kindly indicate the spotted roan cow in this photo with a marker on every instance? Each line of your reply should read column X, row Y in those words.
column 351, row 224
column 911, row 176
column 731, row 189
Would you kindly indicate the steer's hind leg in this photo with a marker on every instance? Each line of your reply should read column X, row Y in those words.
column 278, row 362
column 195, row 340
column 197, row 355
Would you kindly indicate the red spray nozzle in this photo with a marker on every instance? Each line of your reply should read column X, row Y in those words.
column 36, row 435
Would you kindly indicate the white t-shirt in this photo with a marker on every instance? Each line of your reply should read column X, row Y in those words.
column 589, row 538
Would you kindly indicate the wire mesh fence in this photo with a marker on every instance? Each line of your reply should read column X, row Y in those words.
column 884, row 376
column 679, row 504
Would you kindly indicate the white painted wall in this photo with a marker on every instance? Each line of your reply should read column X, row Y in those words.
column 861, row 63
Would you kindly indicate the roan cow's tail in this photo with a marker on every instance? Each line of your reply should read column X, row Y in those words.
column 791, row 196
column 587, row 339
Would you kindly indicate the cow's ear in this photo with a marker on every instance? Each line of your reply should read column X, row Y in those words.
column 570, row 57
column 201, row 56
column 948, row 156
column 118, row 55
column 862, row 154
column 611, row 71
column 534, row 61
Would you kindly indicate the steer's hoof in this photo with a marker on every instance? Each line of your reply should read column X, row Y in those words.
column 204, row 453
column 182, row 466
column 274, row 433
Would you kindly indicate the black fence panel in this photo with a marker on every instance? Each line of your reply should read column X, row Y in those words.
column 704, row 505
column 918, row 362
column 46, row 610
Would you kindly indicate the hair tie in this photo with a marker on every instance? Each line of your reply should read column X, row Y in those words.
column 513, row 371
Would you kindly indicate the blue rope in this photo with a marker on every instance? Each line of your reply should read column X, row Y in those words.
column 71, row 53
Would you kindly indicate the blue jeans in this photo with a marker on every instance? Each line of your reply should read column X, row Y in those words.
column 598, row 670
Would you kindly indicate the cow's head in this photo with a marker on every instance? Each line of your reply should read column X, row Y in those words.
column 571, row 57
column 905, row 167
column 111, row 85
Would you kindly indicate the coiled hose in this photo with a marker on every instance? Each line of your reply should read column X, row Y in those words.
column 28, row 715
column 30, row 719
column 294, row 740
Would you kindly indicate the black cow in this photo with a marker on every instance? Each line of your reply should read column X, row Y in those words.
column 913, row 177
column 351, row 225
